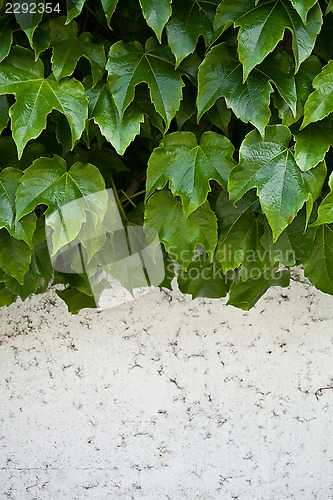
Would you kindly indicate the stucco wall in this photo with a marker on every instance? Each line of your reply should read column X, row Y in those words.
column 165, row 397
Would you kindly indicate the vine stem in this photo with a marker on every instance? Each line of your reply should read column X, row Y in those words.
column 128, row 198
column 121, row 208
column 319, row 392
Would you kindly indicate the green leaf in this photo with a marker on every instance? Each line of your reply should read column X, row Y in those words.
column 60, row 30
column 36, row 97
column 188, row 166
column 9, row 182
column 6, row 296
column 120, row 133
column 279, row 68
column 187, row 106
column 6, row 35
column 74, row 8
column 220, row 115
column 181, row 235
column 15, row 256
column 66, row 54
column 308, row 70
column 109, row 6
column 156, row 13
column 245, row 294
column 25, row 228
column 300, row 239
column 281, row 250
column 329, row 7
column 29, row 285
column 320, row 103
column 226, row 13
column 203, row 279
column 189, row 20
column 270, row 167
column 53, row 32
column 29, row 20
column 314, row 181
column 303, row 7
column 257, row 260
column 128, row 65
column 220, row 75
column 4, row 116
column 318, row 266
column 41, row 39
column 48, row 182
column 312, row 144
column 8, row 153
column 263, row 26
column 238, row 230
column 76, row 300
column 325, row 210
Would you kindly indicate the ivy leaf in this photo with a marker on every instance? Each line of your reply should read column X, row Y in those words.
column 300, row 237
column 181, row 235
column 220, row 74
column 312, row 144
column 76, row 300
column 314, row 181
column 203, row 279
column 6, row 296
column 279, row 68
column 320, row 103
column 15, row 256
column 329, row 7
column 263, row 26
column 318, row 266
column 304, row 77
column 6, row 35
column 74, row 8
column 66, row 54
column 53, row 32
column 303, row 7
column 8, row 154
column 61, row 30
column 188, row 166
column 156, row 13
column 270, row 167
column 4, row 116
column 29, row 20
column 25, row 228
column 128, row 65
column 226, row 13
column 220, row 115
column 325, row 209
column 281, row 250
column 237, row 230
column 48, row 182
column 189, row 20
column 187, row 106
column 245, row 294
column 109, row 6
column 120, row 133
column 36, row 97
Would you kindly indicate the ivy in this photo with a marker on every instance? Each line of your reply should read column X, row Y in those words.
column 147, row 139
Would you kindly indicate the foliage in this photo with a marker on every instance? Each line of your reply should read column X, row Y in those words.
column 210, row 120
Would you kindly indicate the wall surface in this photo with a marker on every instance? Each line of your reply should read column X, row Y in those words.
column 169, row 398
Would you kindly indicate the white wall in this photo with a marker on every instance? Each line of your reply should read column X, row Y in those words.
column 169, row 398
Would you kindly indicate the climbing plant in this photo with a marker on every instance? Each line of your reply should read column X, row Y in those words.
column 210, row 121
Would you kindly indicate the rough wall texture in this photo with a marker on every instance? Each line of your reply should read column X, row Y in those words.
column 168, row 398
